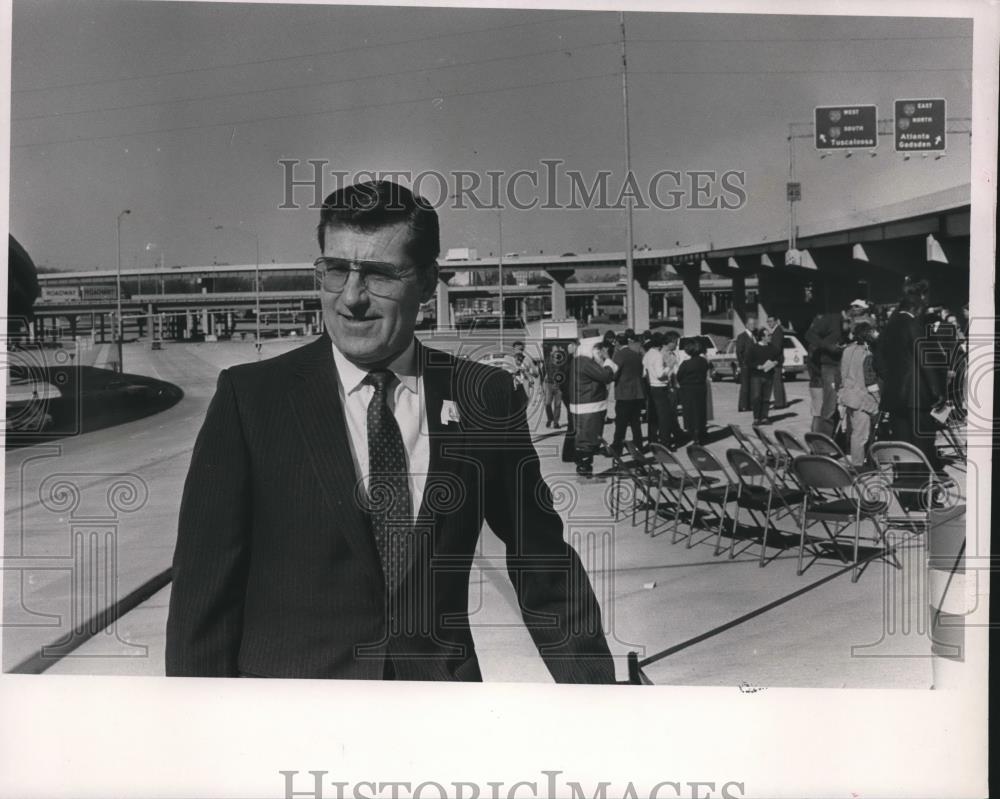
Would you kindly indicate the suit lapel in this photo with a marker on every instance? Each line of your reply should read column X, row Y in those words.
column 446, row 440
column 315, row 405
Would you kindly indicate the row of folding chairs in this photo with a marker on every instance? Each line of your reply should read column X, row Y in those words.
column 813, row 488
column 899, row 473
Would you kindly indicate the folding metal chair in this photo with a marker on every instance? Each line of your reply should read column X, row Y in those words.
column 673, row 480
column 634, row 472
column 905, row 475
column 759, row 493
column 953, row 449
column 775, row 456
column 747, row 444
column 822, row 444
column 834, row 497
column 790, row 444
column 707, row 466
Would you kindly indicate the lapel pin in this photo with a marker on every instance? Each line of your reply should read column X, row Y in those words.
column 449, row 412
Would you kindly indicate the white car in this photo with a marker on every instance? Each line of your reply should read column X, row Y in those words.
column 795, row 357
column 719, row 361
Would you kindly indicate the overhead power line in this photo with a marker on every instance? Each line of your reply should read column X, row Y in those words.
column 570, row 50
column 279, row 59
column 307, row 114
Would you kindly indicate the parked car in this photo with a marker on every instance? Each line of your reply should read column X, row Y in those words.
column 795, row 358
column 722, row 363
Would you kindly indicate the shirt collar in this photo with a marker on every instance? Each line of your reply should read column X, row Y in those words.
column 352, row 376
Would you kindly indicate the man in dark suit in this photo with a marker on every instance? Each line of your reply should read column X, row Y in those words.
column 778, row 342
column 629, row 396
column 745, row 342
column 336, row 493
column 824, row 340
column 907, row 369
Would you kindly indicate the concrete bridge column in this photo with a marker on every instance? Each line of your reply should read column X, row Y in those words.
column 558, row 300
column 443, row 307
column 640, row 294
column 558, row 289
column 739, row 291
column 593, row 306
column 100, row 326
column 691, row 277
column 188, row 321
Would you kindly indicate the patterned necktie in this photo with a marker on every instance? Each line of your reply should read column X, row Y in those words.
column 389, row 500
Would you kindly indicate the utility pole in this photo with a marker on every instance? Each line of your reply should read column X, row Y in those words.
column 118, row 293
column 629, row 267
column 500, row 268
column 256, row 281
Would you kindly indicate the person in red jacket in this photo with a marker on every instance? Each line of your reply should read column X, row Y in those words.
column 589, row 376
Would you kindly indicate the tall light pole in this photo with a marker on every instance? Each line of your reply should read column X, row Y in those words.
column 500, row 268
column 256, row 279
column 629, row 268
column 118, row 293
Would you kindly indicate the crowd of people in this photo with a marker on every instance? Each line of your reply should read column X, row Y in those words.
column 901, row 368
column 627, row 378
column 892, row 371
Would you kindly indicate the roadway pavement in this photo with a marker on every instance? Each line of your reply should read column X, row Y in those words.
column 817, row 630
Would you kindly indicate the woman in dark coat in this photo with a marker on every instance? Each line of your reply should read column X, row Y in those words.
column 692, row 381
column 764, row 353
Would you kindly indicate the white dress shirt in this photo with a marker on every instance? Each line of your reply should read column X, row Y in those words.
column 408, row 407
column 656, row 368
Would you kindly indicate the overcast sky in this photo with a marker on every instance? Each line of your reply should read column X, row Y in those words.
column 182, row 111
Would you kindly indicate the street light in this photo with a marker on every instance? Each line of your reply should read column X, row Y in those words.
column 500, row 268
column 256, row 279
column 119, row 325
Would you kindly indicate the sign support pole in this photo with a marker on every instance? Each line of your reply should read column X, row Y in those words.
column 629, row 267
column 791, row 180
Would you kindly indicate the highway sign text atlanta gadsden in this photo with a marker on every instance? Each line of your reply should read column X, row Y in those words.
column 919, row 125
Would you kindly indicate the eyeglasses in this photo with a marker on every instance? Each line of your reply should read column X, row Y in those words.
column 378, row 278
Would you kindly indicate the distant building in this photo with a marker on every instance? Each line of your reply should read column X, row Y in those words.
column 462, row 254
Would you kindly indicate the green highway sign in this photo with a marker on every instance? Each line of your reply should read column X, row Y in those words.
column 846, row 127
column 919, row 125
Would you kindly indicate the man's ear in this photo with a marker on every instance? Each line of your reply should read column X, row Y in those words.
column 428, row 282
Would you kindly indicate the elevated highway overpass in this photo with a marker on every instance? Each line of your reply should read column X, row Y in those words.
column 866, row 254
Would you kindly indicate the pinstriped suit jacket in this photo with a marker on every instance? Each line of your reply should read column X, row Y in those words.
column 275, row 570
